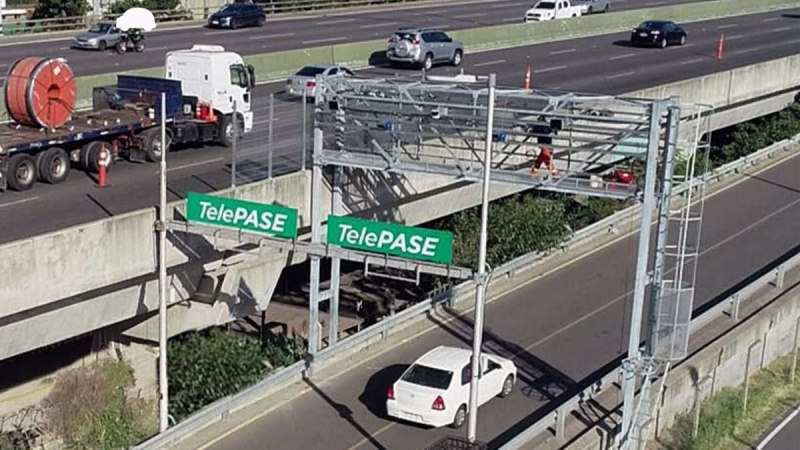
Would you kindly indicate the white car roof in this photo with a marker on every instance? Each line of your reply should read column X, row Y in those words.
column 446, row 358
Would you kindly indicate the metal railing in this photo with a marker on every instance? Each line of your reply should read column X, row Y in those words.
column 380, row 331
column 193, row 14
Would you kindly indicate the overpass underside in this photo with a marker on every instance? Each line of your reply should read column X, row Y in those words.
column 91, row 276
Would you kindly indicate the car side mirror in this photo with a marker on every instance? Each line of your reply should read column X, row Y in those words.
column 252, row 72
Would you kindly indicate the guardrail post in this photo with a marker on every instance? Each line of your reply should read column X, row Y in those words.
column 735, row 303
column 561, row 422
column 780, row 277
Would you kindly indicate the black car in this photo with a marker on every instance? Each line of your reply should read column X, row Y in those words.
column 660, row 33
column 237, row 15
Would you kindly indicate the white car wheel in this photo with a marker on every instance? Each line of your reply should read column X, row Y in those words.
column 460, row 417
column 508, row 386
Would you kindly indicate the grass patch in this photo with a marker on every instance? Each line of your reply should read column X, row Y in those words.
column 723, row 423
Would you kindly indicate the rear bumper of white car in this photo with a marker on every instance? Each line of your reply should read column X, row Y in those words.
column 432, row 417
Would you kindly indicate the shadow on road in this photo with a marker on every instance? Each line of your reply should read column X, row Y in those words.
column 347, row 414
column 374, row 394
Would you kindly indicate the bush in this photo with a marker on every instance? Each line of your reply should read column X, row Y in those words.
column 281, row 350
column 206, row 366
column 120, row 6
column 518, row 225
column 51, row 9
column 90, row 407
column 748, row 137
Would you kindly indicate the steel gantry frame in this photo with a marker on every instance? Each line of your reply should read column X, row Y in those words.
column 438, row 125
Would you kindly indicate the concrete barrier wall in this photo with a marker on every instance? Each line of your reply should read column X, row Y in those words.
column 68, row 274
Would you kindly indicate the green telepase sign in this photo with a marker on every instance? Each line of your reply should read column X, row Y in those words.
column 420, row 244
column 274, row 220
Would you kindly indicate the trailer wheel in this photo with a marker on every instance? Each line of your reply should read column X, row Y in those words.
column 53, row 165
column 90, row 154
column 152, row 143
column 22, row 172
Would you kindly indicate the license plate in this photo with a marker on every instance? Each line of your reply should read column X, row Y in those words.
column 643, row 34
column 215, row 22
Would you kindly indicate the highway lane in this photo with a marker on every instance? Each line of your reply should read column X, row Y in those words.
column 287, row 34
column 559, row 329
column 587, row 64
column 785, row 436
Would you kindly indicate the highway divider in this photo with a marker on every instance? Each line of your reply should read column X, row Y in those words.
column 460, row 298
column 276, row 65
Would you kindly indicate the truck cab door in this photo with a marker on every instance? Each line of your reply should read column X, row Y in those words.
column 240, row 92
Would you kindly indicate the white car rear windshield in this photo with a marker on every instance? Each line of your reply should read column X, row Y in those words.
column 428, row 377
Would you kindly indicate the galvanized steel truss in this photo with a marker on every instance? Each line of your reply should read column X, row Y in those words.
column 404, row 125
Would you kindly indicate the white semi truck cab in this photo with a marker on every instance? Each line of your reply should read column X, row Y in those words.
column 218, row 78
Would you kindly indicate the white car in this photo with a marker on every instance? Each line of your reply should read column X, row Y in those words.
column 552, row 10
column 434, row 390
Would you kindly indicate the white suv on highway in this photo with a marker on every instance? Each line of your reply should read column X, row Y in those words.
column 434, row 390
column 552, row 10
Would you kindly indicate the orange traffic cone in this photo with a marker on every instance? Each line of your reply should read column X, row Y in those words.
column 528, row 78
column 720, row 46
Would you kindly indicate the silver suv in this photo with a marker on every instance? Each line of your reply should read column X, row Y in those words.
column 422, row 47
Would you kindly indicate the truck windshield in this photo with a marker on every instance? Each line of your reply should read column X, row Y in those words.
column 239, row 76
column 545, row 5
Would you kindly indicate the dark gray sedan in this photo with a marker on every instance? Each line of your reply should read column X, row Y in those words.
column 100, row 36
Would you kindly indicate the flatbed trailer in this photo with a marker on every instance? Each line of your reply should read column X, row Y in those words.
column 130, row 131
column 202, row 87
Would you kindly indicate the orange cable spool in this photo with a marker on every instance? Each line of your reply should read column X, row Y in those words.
column 40, row 92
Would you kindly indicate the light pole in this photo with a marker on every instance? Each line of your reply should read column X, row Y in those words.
column 480, row 288
column 163, row 387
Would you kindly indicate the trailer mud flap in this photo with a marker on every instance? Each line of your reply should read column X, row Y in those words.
column 137, row 155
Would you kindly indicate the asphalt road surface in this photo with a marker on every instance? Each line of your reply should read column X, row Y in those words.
column 288, row 34
column 785, row 438
column 593, row 64
column 560, row 330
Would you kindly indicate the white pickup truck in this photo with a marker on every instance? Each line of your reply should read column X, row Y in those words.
column 551, row 10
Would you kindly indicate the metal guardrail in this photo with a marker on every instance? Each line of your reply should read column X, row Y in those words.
column 729, row 307
column 380, row 331
column 15, row 27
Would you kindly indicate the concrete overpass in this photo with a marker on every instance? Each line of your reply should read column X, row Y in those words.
column 76, row 280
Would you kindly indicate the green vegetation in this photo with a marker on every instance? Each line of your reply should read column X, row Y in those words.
column 745, row 138
column 93, row 407
column 206, row 366
column 51, row 9
column 724, row 425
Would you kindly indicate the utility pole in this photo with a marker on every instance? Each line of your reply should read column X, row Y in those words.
column 163, row 386
column 480, row 287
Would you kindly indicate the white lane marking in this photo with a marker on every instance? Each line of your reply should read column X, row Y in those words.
column 270, row 36
column 438, row 27
column 692, row 61
column 747, row 50
column 620, row 75
column 334, row 22
column 778, row 429
column 778, row 30
column 678, row 47
column 157, row 48
column 199, row 163
column 771, row 19
column 317, row 41
column 734, row 37
column 17, row 202
column 655, row 3
column 730, row 25
column 559, row 52
column 550, row 69
column 489, row 63
column 64, row 48
column 428, row 13
column 512, row 19
column 626, row 55
column 3, row 65
column 378, row 25
column 467, row 16
column 240, row 30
